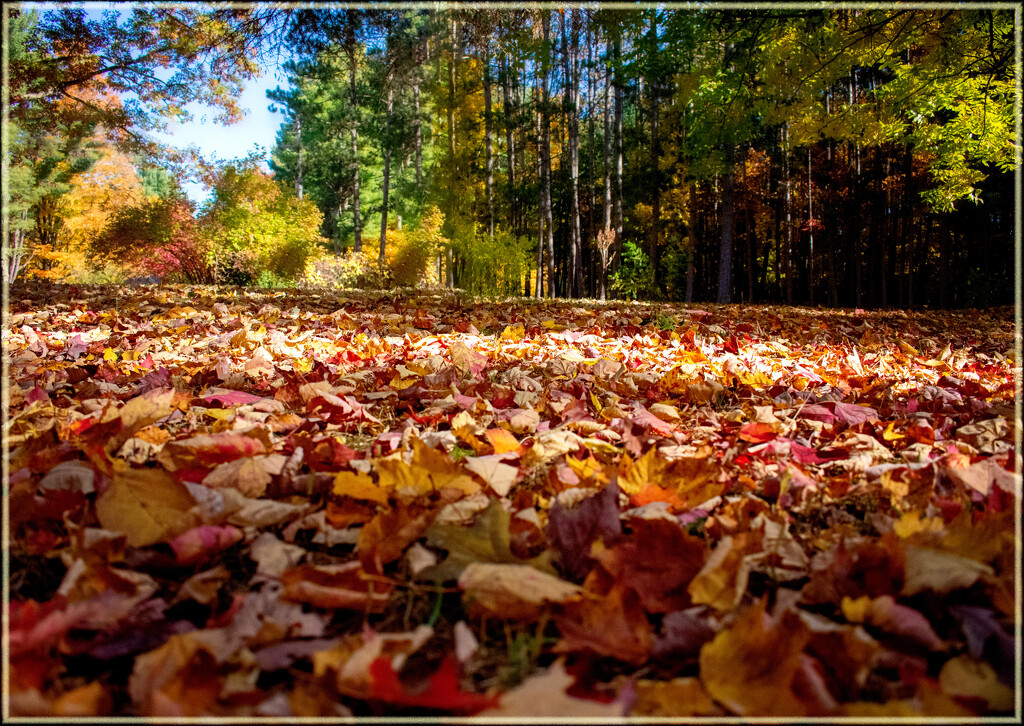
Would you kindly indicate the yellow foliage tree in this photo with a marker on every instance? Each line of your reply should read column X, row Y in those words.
column 94, row 197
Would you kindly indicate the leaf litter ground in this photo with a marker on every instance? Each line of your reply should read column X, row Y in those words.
column 234, row 503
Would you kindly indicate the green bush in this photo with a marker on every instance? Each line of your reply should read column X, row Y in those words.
column 255, row 226
column 634, row 278
column 487, row 266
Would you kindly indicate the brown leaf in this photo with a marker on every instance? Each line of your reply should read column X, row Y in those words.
column 515, row 592
column 385, row 537
column 613, row 624
column 336, row 586
column 657, row 561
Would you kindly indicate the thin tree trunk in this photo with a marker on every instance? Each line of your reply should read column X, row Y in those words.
column 618, row 152
column 488, row 140
column 356, row 222
column 546, row 154
column 298, row 139
column 691, row 232
column 750, row 232
column 728, row 221
column 418, row 123
column 810, row 229
column 449, row 267
column 569, row 53
column 337, row 224
column 510, row 141
column 540, row 208
column 655, row 159
column 789, row 222
column 607, row 226
column 607, row 151
column 386, row 187
column 589, row 249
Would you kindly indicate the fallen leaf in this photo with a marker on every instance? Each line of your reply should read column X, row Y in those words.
column 336, row 586
column 658, row 560
column 750, row 666
column 573, row 531
column 146, row 504
column 488, row 540
column 965, row 677
column 613, row 624
column 544, row 695
column 441, row 691
column 514, row 592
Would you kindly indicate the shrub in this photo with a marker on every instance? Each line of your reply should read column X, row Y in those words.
column 333, row 271
column 413, row 255
column 487, row 266
column 157, row 237
column 634, row 278
column 256, row 226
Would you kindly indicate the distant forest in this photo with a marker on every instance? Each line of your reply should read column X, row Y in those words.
column 839, row 157
column 842, row 157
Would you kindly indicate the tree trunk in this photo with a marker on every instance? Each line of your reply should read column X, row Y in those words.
column 728, row 221
column 751, row 235
column 607, row 226
column 546, row 154
column 418, row 123
column 488, row 141
column 810, row 230
column 570, row 51
column 386, row 186
column 356, row 222
column 607, row 151
column 788, row 254
column 691, row 232
column 655, row 158
column 618, row 152
column 298, row 175
column 449, row 267
column 589, row 288
column 510, row 142
column 540, row 207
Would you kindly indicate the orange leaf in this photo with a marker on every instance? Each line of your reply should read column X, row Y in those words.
column 749, row 667
column 503, row 441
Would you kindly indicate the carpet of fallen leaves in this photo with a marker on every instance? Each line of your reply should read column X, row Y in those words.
column 236, row 503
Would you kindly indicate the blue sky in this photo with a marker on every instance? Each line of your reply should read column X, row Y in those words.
column 257, row 129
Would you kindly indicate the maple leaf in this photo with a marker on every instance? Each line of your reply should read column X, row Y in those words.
column 544, row 695
column 488, row 540
column 387, row 535
column 572, row 531
column 658, row 560
column 515, row 592
column 750, row 666
column 613, row 624
column 336, row 586
column 675, row 698
column 148, row 505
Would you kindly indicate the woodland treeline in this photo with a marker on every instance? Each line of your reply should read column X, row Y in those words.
column 845, row 157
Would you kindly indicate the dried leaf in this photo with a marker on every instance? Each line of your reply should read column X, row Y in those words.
column 515, row 592
column 750, row 666
column 146, row 504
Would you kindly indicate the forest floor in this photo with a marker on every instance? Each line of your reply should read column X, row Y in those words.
column 229, row 502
